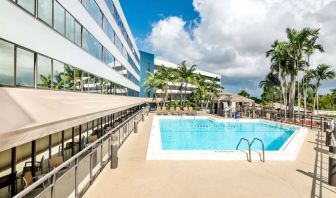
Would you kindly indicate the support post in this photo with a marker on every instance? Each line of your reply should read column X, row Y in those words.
column 332, row 166
column 114, row 153
column 135, row 126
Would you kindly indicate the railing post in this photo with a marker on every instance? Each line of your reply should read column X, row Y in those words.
column 135, row 127
column 311, row 122
column 114, row 154
column 321, row 124
column 332, row 166
column 76, row 177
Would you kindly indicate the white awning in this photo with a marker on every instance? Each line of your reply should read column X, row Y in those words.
column 29, row 114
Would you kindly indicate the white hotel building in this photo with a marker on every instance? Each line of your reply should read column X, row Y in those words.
column 69, row 72
column 174, row 92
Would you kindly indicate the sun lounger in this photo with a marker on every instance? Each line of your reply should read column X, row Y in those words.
column 178, row 111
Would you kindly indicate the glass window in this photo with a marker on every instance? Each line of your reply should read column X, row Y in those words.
column 78, row 34
column 24, row 68
column 85, row 80
column 58, row 74
column 68, row 77
column 94, row 10
column 118, row 43
column 79, row 85
column 59, row 17
column 108, row 30
column 44, row 9
column 108, row 58
column 91, row 45
column 110, row 6
column 70, row 27
column 43, row 72
column 28, row 5
column 6, row 63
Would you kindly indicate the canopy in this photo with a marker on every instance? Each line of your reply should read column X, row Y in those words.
column 234, row 98
column 29, row 114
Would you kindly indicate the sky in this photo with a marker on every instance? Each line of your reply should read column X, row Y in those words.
column 229, row 37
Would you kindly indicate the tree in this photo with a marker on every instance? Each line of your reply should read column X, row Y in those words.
column 296, row 41
column 310, row 47
column 186, row 75
column 270, row 86
column 244, row 93
column 152, row 83
column 165, row 76
column 322, row 72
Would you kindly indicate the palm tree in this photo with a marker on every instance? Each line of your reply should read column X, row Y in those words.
column 185, row 75
column 279, row 58
column 296, row 41
column 322, row 72
column 45, row 81
column 310, row 47
column 269, row 84
column 152, row 83
column 244, row 93
column 165, row 76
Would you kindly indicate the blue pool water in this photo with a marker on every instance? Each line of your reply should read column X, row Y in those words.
column 205, row 134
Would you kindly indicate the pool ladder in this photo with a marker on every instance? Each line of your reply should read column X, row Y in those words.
column 249, row 158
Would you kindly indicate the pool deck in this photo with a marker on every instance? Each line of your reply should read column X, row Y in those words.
column 136, row 177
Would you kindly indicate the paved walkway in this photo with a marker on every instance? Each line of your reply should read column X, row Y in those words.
column 136, row 177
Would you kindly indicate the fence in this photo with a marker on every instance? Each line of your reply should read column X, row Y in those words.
column 308, row 120
column 74, row 176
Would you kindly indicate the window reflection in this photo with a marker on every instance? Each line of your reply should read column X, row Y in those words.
column 44, row 9
column 70, row 27
column 28, row 5
column 78, row 34
column 43, row 72
column 58, row 75
column 91, row 45
column 68, row 77
column 94, row 10
column 59, row 13
column 24, row 68
column 6, row 63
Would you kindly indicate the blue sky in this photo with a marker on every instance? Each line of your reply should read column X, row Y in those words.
column 229, row 37
column 141, row 14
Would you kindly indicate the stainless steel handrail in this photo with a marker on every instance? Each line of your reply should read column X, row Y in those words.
column 263, row 148
column 249, row 148
column 52, row 175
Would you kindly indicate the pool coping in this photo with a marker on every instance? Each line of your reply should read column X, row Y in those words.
column 288, row 151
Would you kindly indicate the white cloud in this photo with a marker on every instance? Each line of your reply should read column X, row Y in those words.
column 231, row 36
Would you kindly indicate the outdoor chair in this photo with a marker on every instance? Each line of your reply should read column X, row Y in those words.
column 172, row 111
column 185, row 110
column 28, row 167
column 92, row 138
column 28, row 179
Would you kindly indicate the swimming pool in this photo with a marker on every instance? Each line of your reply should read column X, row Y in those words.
column 204, row 138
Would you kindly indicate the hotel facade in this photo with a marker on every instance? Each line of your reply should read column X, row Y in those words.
column 69, row 74
column 71, row 83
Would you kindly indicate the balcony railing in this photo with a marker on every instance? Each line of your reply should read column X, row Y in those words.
column 73, row 177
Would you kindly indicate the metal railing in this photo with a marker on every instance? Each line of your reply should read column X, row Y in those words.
column 249, row 156
column 308, row 120
column 249, row 148
column 74, row 176
column 262, row 148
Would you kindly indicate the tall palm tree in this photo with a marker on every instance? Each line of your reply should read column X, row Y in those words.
column 310, row 47
column 269, row 84
column 152, row 83
column 279, row 58
column 186, row 75
column 165, row 77
column 322, row 72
